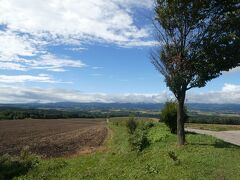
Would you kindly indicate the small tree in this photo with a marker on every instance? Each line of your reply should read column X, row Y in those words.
column 169, row 116
column 199, row 40
column 131, row 124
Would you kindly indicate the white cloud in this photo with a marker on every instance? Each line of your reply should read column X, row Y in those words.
column 79, row 49
column 97, row 67
column 12, row 94
column 23, row 53
column 12, row 45
column 230, row 93
column 30, row 27
column 70, row 20
column 11, row 79
column 53, row 63
column 234, row 70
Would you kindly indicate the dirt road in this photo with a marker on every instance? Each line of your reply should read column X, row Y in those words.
column 232, row 137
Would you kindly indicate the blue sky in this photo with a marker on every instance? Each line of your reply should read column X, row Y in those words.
column 86, row 51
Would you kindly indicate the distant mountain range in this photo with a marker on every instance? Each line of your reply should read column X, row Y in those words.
column 230, row 108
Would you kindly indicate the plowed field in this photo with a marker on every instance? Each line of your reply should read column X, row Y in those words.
column 51, row 138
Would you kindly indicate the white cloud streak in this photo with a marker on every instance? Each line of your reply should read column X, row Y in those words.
column 22, row 53
column 12, row 94
column 6, row 79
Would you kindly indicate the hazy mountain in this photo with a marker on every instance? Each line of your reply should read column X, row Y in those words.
column 143, row 106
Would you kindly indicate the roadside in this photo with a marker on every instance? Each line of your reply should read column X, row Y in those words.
column 232, row 137
column 213, row 127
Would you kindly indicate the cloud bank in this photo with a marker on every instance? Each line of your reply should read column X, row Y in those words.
column 230, row 93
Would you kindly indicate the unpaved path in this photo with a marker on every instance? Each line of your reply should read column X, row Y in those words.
column 232, row 137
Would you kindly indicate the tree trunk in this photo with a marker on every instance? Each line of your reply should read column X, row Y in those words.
column 180, row 120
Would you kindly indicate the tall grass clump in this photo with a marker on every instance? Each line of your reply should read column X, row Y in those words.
column 139, row 140
column 11, row 166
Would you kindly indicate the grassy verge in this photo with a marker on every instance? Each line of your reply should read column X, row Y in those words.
column 214, row 127
column 203, row 158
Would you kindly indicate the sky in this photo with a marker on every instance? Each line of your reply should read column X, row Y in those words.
column 88, row 51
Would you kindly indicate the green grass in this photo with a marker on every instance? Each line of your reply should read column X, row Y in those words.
column 203, row 158
column 214, row 127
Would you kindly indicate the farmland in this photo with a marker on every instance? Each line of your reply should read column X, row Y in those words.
column 204, row 157
column 52, row 138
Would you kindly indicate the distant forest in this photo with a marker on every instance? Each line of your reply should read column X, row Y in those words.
column 229, row 108
column 20, row 113
column 7, row 113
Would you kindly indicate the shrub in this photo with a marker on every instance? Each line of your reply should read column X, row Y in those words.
column 169, row 116
column 131, row 124
column 16, row 166
column 138, row 140
column 147, row 126
column 157, row 134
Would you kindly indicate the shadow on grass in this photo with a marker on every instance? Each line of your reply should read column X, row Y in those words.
column 217, row 144
column 188, row 132
column 223, row 144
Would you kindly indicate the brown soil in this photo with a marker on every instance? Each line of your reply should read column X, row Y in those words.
column 51, row 138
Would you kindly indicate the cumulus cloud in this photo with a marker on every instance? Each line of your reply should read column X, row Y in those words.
column 230, row 93
column 22, row 53
column 12, row 45
column 10, row 94
column 98, row 20
column 28, row 28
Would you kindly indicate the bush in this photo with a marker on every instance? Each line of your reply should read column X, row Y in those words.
column 169, row 116
column 157, row 134
column 131, row 125
column 15, row 166
column 147, row 126
column 138, row 140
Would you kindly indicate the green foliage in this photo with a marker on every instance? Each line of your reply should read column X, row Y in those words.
column 158, row 133
column 201, row 39
column 16, row 166
column 138, row 140
column 151, row 170
column 131, row 124
column 32, row 113
column 169, row 116
column 172, row 155
column 146, row 126
column 198, row 41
